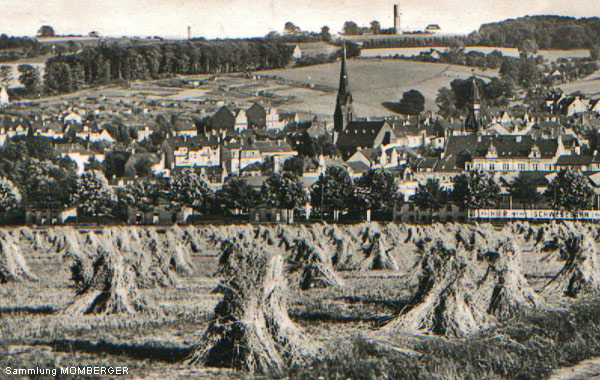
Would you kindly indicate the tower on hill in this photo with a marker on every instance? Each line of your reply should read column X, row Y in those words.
column 344, row 111
column 397, row 19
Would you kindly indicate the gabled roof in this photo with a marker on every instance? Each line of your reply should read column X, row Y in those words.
column 192, row 143
column 574, row 160
column 510, row 146
column 359, row 133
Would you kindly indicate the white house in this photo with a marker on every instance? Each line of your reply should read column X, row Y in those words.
column 73, row 117
column 241, row 121
column 195, row 152
column 273, row 121
column 143, row 132
column 93, row 134
column 4, row 99
column 79, row 155
column 297, row 53
column 576, row 106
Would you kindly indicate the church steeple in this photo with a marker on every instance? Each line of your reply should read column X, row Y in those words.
column 344, row 111
column 473, row 122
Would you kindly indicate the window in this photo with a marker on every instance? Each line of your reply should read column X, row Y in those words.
column 505, row 167
column 521, row 167
column 387, row 137
column 492, row 167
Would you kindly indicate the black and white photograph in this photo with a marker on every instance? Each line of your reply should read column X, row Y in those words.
column 300, row 190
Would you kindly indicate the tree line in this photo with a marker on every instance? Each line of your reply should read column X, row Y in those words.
column 549, row 32
column 108, row 63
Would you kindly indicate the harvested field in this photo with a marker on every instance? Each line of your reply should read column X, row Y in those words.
column 275, row 300
column 373, row 82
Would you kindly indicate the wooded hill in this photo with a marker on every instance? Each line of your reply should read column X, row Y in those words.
column 112, row 62
column 549, row 32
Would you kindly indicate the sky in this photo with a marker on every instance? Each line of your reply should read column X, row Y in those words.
column 241, row 18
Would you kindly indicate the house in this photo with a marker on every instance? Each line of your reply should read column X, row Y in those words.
column 160, row 214
column 513, row 153
column 72, row 117
column 377, row 158
column 79, row 155
column 51, row 130
column 194, row 151
column 93, row 133
column 157, row 163
column 45, row 214
column 359, row 135
column 223, row 120
column 274, row 121
column 595, row 106
column 411, row 136
column 9, row 130
column 143, row 132
column 4, row 98
column 257, row 115
column 266, row 214
column 409, row 212
column 576, row 106
column 297, row 52
column 186, row 130
column 241, row 121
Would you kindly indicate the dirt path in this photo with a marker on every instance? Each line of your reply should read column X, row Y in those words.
column 586, row 370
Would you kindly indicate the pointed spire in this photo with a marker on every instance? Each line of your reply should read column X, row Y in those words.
column 476, row 97
column 344, row 92
column 473, row 121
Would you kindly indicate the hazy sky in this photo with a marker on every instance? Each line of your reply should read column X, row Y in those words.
column 237, row 18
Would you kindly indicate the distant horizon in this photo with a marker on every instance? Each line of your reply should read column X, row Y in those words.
column 85, row 34
column 236, row 19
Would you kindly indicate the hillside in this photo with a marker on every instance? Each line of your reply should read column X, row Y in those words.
column 373, row 82
column 550, row 32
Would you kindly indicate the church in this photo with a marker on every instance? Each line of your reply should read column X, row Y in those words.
column 350, row 133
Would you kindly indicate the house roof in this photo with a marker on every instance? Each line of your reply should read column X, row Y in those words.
column 358, row 167
column 192, row 143
column 359, row 133
column 577, row 159
column 509, row 146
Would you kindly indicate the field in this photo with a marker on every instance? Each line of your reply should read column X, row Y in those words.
column 550, row 55
column 343, row 319
column 373, row 82
column 589, row 86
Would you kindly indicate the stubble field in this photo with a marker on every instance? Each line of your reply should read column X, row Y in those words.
column 375, row 276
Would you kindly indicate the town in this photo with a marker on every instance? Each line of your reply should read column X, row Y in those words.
column 233, row 154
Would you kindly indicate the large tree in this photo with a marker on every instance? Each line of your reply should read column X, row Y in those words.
column 430, row 196
column 375, row 27
column 412, row 103
column 5, row 76
column 10, row 197
column 46, row 31
column 238, row 195
column 524, row 190
column 570, row 190
column 30, row 78
column 187, row 188
column 141, row 194
column 378, row 190
column 92, row 194
column 283, row 191
column 334, row 191
column 475, row 190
